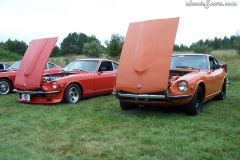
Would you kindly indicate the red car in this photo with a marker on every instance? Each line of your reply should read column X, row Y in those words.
column 7, row 77
column 80, row 78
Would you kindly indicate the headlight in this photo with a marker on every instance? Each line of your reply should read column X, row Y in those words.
column 182, row 86
column 54, row 85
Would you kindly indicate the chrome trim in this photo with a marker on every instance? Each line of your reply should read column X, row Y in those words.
column 37, row 92
column 151, row 96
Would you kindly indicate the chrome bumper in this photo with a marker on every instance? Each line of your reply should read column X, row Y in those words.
column 36, row 92
column 150, row 96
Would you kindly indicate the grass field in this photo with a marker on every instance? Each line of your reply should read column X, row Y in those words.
column 96, row 128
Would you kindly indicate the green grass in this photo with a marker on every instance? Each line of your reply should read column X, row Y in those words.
column 96, row 128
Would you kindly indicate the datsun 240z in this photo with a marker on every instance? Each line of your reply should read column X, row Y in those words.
column 79, row 79
column 150, row 75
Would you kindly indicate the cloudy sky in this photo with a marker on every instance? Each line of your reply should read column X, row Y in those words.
column 31, row 19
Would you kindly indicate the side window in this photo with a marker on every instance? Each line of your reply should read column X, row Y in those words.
column 212, row 62
column 105, row 66
column 51, row 66
column 215, row 61
column 115, row 65
column 46, row 67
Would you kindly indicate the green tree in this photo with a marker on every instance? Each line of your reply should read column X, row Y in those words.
column 93, row 49
column 73, row 43
column 201, row 48
column 55, row 51
column 15, row 46
column 114, row 46
column 236, row 44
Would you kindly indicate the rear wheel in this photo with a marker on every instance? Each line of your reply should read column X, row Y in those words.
column 222, row 94
column 5, row 86
column 195, row 106
column 72, row 94
column 127, row 106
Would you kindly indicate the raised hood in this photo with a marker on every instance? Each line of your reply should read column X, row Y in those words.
column 146, row 56
column 33, row 63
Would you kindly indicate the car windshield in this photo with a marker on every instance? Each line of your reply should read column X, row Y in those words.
column 15, row 66
column 189, row 62
column 82, row 65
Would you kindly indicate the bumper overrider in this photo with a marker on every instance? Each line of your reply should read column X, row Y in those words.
column 150, row 97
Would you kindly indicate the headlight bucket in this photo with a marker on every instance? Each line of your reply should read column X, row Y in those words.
column 182, row 86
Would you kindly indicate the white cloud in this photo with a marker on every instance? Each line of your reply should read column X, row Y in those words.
column 28, row 19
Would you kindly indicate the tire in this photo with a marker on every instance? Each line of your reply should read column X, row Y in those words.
column 72, row 94
column 5, row 86
column 223, row 92
column 127, row 106
column 195, row 106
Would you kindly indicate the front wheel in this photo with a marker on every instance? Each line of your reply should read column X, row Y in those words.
column 223, row 93
column 195, row 106
column 5, row 86
column 72, row 94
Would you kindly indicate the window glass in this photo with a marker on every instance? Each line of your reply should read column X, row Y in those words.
column 115, row 65
column 51, row 66
column 106, row 66
column 82, row 65
column 189, row 61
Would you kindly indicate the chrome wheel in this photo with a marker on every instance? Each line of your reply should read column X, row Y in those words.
column 4, row 87
column 73, row 95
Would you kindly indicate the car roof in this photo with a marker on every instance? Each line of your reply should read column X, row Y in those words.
column 190, row 54
column 95, row 59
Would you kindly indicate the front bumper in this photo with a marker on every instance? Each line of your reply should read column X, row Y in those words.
column 36, row 92
column 41, row 97
column 158, row 99
column 150, row 96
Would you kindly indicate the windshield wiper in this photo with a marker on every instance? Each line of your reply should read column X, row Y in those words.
column 186, row 67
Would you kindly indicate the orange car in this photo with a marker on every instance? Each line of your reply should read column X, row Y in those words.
column 149, row 73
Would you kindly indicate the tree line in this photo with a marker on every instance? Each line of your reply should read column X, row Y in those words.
column 206, row 46
column 74, row 43
column 82, row 44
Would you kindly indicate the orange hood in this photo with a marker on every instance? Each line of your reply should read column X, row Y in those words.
column 32, row 66
column 146, row 56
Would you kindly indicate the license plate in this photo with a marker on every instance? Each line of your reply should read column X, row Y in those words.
column 26, row 97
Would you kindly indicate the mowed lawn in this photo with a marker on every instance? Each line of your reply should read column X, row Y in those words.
column 96, row 128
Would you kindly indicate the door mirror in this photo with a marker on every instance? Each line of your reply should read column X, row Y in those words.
column 224, row 66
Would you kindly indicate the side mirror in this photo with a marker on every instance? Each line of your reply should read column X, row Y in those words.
column 224, row 66
column 217, row 66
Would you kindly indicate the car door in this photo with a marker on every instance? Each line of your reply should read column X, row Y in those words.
column 105, row 77
column 218, row 73
column 213, row 78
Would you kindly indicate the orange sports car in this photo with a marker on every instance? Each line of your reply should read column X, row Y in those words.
column 150, row 74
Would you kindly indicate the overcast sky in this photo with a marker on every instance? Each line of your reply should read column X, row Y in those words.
column 30, row 19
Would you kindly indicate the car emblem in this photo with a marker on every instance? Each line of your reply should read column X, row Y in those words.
column 139, row 86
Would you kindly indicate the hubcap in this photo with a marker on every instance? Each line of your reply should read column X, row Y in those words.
column 4, row 87
column 73, row 95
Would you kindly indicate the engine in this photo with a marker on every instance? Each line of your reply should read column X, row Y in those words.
column 52, row 77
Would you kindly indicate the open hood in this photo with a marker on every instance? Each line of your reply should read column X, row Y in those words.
column 146, row 56
column 33, row 63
